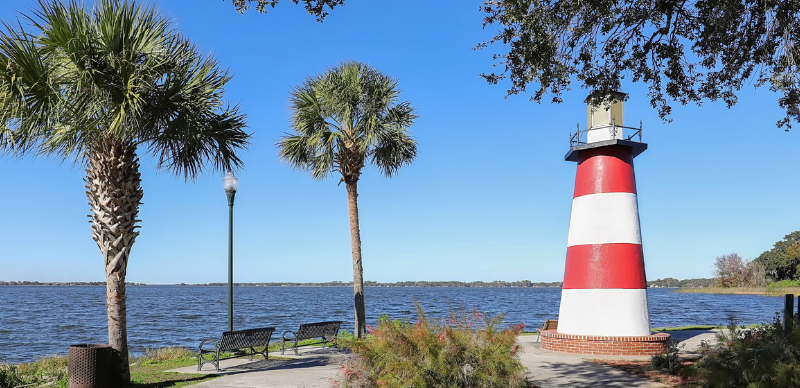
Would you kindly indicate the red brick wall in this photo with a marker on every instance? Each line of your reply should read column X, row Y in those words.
column 624, row 346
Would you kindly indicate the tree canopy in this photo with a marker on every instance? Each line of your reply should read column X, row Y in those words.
column 313, row 7
column 121, row 72
column 686, row 51
column 782, row 261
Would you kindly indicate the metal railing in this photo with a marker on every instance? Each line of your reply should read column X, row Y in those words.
column 580, row 137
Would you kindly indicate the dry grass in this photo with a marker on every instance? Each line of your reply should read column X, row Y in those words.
column 768, row 291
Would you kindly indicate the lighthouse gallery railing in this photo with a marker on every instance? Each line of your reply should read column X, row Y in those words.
column 579, row 137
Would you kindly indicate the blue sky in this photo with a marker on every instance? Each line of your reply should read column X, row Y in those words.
column 488, row 197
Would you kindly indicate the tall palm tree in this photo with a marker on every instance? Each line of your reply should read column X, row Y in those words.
column 342, row 119
column 97, row 85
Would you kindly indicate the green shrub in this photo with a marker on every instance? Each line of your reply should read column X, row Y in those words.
column 669, row 361
column 765, row 356
column 466, row 351
column 784, row 284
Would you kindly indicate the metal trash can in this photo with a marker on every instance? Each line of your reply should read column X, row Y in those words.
column 89, row 365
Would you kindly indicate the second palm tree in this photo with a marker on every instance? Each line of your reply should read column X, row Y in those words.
column 342, row 119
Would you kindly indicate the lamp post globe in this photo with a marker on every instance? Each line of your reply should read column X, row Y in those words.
column 231, row 184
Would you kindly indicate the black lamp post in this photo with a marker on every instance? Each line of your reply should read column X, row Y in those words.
column 231, row 184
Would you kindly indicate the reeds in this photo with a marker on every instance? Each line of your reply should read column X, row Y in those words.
column 769, row 291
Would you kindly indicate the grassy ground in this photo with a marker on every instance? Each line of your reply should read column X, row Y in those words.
column 770, row 291
column 692, row 327
column 147, row 370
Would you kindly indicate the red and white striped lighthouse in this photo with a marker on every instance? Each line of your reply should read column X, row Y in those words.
column 604, row 290
column 604, row 297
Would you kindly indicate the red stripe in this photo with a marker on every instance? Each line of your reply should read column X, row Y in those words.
column 605, row 170
column 605, row 266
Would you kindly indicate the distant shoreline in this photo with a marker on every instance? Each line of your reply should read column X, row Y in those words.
column 454, row 284
column 659, row 283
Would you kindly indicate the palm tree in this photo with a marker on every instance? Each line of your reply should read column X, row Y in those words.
column 342, row 119
column 95, row 86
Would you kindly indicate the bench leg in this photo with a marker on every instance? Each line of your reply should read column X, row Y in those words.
column 202, row 361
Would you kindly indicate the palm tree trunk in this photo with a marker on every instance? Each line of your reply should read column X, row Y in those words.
column 114, row 192
column 358, row 270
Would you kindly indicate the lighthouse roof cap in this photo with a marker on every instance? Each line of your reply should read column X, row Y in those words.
column 610, row 96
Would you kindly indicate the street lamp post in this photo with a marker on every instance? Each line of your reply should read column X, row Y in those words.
column 231, row 183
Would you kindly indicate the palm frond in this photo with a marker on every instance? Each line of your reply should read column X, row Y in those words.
column 344, row 117
column 394, row 150
column 119, row 71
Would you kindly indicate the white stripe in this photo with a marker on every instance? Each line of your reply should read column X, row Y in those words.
column 604, row 218
column 611, row 312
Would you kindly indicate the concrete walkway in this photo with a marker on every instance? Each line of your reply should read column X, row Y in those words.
column 317, row 367
column 554, row 369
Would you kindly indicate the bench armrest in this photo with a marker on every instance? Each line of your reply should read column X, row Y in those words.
column 208, row 341
column 283, row 336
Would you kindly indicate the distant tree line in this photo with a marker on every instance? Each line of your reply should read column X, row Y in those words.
column 782, row 262
column 28, row 283
column 658, row 283
column 672, row 282
column 369, row 283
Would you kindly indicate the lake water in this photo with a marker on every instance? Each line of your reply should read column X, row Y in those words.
column 38, row 321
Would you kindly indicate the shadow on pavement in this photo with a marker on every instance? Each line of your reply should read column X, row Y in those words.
column 584, row 374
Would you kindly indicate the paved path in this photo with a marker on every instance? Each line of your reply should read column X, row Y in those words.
column 554, row 369
column 317, row 367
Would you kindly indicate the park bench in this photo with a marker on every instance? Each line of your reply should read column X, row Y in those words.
column 325, row 330
column 549, row 324
column 234, row 341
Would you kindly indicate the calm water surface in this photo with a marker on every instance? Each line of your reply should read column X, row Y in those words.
column 38, row 321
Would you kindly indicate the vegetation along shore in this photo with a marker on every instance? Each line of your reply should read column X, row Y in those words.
column 659, row 283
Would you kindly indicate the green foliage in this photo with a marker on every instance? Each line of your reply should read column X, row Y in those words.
column 43, row 372
column 685, row 51
column 777, row 286
column 757, row 357
column 73, row 79
column 781, row 262
column 147, row 370
column 466, row 351
column 669, row 361
column 672, row 282
column 345, row 118
column 313, row 7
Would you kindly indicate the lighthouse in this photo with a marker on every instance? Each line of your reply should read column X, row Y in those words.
column 604, row 297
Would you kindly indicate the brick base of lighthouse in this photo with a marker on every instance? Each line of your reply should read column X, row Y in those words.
column 647, row 345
